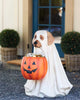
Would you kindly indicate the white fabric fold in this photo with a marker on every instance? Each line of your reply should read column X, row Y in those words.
column 55, row 83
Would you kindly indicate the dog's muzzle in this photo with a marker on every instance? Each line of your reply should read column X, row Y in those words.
column 37, row 44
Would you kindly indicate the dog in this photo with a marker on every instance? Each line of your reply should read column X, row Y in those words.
column 55, row 83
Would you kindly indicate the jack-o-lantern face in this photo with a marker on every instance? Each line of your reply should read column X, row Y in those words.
column 34, row 67
column 29, row 69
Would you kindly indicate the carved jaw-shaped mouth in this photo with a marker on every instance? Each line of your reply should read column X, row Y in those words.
column 28, row 71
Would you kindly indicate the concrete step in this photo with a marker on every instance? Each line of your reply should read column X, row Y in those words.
column 16, row 64
column 18, row 61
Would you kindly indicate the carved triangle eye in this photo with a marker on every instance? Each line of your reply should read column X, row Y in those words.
column 25, row 62
column 33, row 63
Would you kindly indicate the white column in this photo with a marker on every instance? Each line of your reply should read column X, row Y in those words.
column 1, row 16
column 69, row 9
column 77, row 15
column 20, row 29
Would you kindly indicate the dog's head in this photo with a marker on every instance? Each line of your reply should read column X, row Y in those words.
column 38, row 38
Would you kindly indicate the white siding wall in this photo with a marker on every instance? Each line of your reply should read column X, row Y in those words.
column 1, row 22
column 76, row 25
column 11, row 16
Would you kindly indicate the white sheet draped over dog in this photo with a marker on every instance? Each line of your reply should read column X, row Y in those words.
column 55, row 83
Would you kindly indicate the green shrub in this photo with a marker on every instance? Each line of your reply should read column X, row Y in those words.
column 9, row 38
column 70, row 43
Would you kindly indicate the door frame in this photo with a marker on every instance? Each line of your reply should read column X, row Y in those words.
column 35, row 23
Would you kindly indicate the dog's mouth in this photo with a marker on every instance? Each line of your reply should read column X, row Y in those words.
column 36, row 46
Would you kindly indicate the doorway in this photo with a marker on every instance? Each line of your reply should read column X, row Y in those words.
column 50, row 15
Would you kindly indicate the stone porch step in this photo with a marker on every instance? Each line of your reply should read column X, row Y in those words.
column 16, row 64
column 18, row 61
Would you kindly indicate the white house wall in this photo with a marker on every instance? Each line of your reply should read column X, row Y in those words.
column 77, row 15
column 11, row 16
column 1, row 23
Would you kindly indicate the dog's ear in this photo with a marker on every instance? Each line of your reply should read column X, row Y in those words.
column 50, row 38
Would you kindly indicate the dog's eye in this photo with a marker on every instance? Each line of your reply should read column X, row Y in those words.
column 41, row 37
column 35, row 36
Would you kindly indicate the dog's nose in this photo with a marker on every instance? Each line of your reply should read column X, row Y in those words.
column 35, row 42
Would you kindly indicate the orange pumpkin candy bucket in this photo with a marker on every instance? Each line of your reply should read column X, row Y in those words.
column 34, row 68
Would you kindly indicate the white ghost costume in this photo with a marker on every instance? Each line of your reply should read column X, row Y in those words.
column 55, row 83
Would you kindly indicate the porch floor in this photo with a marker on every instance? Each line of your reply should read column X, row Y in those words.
column 12, row 86
column 18, row 61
